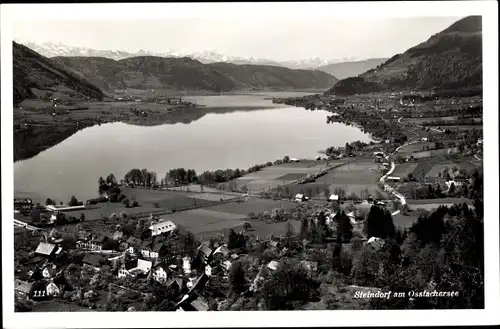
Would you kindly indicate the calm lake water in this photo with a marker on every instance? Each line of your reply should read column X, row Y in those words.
column 256, row 131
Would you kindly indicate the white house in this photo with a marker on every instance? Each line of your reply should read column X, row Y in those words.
column 334, row 197
column 299, row 197
column 208, row 270
column 394, row 178
column 134, row 267
column 186, row 265
column 162, row 227
column 273, row 265
column 128, row 269
column 294, row 160
column 52, row 289
column 160, row 272
column 144, row 265
column 424, row 139
column 376, row 243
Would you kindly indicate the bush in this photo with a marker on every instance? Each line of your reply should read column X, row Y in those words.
column 126, row 202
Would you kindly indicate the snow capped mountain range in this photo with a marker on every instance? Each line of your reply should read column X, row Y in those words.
column 50, row 49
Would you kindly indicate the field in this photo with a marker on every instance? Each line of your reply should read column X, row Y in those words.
column 434, row 171
column 461, row 127
column 422, row 169
column 277, row 175
column 403, row 169
column 415, row 147
column 222, row 217
column 404, row 222
column 252, row 205
column 58, row 306
column 414, row 203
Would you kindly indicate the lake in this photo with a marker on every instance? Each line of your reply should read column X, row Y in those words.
column 252, row 131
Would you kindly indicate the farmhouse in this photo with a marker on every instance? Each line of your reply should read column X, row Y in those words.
column 294, row 160
column 162, row 227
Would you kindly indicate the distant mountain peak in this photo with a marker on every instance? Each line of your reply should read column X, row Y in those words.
column 207, row 56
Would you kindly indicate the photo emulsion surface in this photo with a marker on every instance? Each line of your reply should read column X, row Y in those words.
column 217, row 165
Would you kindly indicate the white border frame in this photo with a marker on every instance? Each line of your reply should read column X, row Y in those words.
column 33, row 12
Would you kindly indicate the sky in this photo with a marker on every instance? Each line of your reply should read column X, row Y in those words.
column 275, row 39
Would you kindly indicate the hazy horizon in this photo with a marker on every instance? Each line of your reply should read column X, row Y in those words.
column 276, row 39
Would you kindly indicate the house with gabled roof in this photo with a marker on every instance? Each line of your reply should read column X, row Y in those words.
column 22, row 289
column 96, row 243
column 177, row 283
column 204, row 251
column 162, row 227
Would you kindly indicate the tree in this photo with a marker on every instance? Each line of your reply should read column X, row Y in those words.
column 286, row 159
column 73, row 201
column 237, row 279
column 35, row 215
column 379, row 223
column 247, row 226
column 101, row 184
column 82, row 217
column 304, row 228
column 49, row 202
column 126, row 202
column 452, row 189
column 344, row 225
column 288, row 287
column 111, row 180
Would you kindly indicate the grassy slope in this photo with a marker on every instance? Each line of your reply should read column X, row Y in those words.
column 451, row 59
column 32, row 70
column 352, row 69
column 150, row 72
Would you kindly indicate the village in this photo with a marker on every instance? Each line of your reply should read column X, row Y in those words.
column 173, row 247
